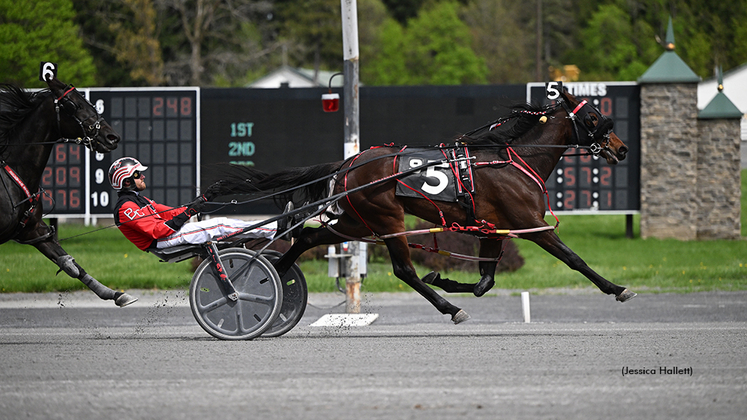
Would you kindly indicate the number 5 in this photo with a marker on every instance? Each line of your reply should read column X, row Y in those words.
column 443, row 180
column 553, row 90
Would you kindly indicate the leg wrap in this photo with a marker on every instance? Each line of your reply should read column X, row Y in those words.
column 101, row 291
column 68, row 265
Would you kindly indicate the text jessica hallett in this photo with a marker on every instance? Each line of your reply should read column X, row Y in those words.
column 661, row 370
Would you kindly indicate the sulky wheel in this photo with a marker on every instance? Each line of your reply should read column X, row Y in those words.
column 260, row 296
column 295, row 297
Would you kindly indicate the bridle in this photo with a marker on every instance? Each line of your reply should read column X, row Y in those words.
column 89, row 129
column 597, row 126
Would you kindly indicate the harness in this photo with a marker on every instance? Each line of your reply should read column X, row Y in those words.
column 32, row 199
column 89, row 133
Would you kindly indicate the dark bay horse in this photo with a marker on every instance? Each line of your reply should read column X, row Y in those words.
column 509, row 161
column 31, row 123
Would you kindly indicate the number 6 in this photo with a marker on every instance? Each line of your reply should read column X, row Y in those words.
column 47, row 71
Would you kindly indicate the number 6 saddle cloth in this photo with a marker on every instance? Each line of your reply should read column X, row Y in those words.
column 437, row 182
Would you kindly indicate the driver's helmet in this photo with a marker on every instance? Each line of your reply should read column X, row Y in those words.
column 122, row 169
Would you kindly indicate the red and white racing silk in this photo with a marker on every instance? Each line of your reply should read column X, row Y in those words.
column 146, row 224
column 142, row 220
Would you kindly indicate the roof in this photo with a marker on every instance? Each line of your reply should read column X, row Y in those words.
column 286, row 76
column 720, row 107
column 735, row 88
column 669, row 67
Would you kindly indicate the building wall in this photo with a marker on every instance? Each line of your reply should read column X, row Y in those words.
column 718, row 179
column 690, row 168
column 669, row 161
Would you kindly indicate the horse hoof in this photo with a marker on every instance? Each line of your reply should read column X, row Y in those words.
column 482, row 287
column 124, row 299
column 626, row 295
column 460, row 317
column 431, row 277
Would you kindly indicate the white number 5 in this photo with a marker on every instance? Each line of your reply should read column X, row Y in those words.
column 553, row 90
column 443, row 180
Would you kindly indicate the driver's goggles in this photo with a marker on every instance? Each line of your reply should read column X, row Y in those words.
column 137, row 175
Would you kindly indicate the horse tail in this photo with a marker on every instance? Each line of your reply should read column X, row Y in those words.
column 302, row 184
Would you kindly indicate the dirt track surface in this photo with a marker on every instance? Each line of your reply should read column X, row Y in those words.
column 70, row 356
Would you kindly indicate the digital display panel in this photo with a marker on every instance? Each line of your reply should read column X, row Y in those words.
column 589, row 183
column 64, row 180
column 157, row 127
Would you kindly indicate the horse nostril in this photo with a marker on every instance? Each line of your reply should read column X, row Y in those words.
column 623, row 150
column 113, row 138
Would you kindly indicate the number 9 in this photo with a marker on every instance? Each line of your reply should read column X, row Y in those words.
column 99, row 174
column 553, row 90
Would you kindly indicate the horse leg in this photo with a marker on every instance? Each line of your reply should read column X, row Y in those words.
column 403, row 269
column 42, row 238
column 551, row 243
column 489, row 248
column 449, row 286
column 309, row 238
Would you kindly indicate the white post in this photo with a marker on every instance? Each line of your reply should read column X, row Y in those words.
column 525, row 307
column 352, row 132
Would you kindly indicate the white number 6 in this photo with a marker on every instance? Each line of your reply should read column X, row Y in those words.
column 47, row 71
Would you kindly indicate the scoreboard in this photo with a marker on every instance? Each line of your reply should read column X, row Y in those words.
column 157, row 126
column 587, row 183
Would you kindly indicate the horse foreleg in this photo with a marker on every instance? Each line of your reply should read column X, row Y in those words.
column 489, row 248
column 52, row 250
column 71, row 268
column 550, row 242
column 403, row 269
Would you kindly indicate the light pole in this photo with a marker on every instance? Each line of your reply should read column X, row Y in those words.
column 352, row 141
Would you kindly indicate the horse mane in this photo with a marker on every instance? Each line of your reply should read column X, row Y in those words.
column 15, row 105
column 523, row 117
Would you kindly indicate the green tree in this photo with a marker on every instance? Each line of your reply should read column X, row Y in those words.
column 313, row 31
column 502, row 38
column 403, row 10
column 620, row 39
column 381, row 45
column 42, row 30
column 615, row 48
column 94, row 17
column 435, row 49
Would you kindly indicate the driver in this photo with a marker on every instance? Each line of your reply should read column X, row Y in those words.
column 150, row 225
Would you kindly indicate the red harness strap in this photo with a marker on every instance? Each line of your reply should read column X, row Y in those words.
column 32, row 198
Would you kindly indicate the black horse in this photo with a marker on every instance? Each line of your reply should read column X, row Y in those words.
column 500, row 168
column 30, row 124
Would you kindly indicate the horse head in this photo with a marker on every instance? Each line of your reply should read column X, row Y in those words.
column 82, row 120
column 597, row 127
